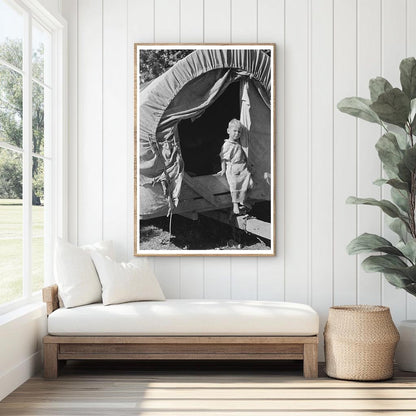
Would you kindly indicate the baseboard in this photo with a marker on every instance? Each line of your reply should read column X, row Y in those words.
column 10, row 380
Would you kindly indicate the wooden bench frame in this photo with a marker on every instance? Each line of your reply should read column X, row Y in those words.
column 58, row 349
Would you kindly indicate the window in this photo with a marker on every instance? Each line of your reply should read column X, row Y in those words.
column 31, row 140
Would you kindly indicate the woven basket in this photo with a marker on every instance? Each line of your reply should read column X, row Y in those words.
column 360, row 341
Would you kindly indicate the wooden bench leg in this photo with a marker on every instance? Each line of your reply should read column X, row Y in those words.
column 310, row 360
column 50, row 360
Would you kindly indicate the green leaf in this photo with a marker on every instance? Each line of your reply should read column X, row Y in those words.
column 389, row 208
column 412, row 109
column 410, row 272
column 400, row 228
column 398, row 184
column 389, row 151
column 410, row 252
column 397, row 280
column 392, row 107
column 412, row 115
column 381, row 263
column 378, row 86
column 396, row 271
column 400, row 198
column 409, row 158
column 408, row 77
column 359, row 107
column 408, row 249
column 395, row 183
column 380, row 182
column 390, row 173
column 366, row 243
column 401, row 137
column 411, row 289
column 407, row 273
column 404, row 173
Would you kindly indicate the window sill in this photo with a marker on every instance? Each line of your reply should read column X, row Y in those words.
column 20, row 302
column 32, row 307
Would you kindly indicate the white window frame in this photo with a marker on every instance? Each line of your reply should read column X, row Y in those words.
column 58, row 211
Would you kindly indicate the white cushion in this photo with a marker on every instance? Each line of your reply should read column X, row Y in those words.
column 181, row 317
column 103, row 247
column 126, row 282
column 75, row 273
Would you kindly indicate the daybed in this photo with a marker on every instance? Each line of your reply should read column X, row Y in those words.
column 181, row 329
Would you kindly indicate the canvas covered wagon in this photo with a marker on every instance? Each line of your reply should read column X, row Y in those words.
column 182, row 118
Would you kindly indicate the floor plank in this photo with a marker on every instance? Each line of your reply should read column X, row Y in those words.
column 226, row 389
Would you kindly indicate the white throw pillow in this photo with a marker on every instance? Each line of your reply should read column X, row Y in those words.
column 103, row 247
column 75, row 273
column 126, row 282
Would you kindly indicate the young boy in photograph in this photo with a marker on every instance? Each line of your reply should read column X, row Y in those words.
column 234, row 166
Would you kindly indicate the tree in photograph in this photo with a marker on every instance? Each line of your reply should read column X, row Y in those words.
column 11, row 116
column 155, row 62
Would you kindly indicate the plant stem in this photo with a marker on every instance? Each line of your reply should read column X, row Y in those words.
column 412, row 195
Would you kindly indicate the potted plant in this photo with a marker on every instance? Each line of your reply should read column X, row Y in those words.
column 394, row 109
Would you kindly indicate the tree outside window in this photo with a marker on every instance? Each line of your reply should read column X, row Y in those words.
column 15, row 228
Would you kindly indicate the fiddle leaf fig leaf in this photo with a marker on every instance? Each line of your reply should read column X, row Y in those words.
column 359, row 107
column 395, row 270
column 388, row 207
column 390, row 173
column 410, row 158
column 408, row 77
column 381, row 263
column 411, row 289
column 398, row 184
column 400, row 228
column 389, row 151
column 395, row 183
column 402, row 139
column 380, row 182
column 378, row 86
column 414, row 127
column 412, row 109
column 392, row 107
column 404, row 173
column 400, row 198
column 410, row 272
column 366, row 243
column 412, row 116
column 408, row 249
column 397, row 280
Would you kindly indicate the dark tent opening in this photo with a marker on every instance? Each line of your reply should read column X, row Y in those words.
column 262, row 210
column 201, row 139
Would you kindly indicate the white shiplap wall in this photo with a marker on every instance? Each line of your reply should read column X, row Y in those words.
column 326, row 50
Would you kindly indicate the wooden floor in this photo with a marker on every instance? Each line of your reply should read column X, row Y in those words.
column 192, row 389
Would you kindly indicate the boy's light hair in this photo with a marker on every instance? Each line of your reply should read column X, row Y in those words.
column 235, row 122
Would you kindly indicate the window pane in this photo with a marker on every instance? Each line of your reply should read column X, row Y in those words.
column 11, row 34
column 41, row 46
column 11, row 107
column 38, row 230
column 11, row 226
column 38, row 118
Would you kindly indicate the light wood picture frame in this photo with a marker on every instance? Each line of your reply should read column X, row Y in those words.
column 204, row 151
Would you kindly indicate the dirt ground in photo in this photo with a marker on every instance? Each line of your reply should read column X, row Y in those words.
column 201, row 234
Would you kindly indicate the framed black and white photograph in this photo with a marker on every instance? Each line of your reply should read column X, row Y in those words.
column 204, row 150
